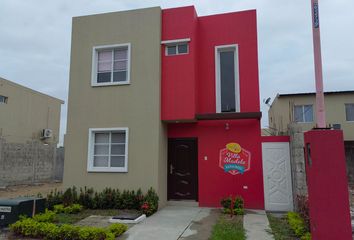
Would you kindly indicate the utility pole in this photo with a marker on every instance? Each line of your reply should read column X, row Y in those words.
column 320, row 107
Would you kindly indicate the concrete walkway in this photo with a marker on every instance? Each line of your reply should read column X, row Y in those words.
column 256, row 225
column 171, row 223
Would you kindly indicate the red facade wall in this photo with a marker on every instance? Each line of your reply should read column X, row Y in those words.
column 179, row 72
column 188, row 81
column 188, row 88
column 214, row 183
column 224, row 29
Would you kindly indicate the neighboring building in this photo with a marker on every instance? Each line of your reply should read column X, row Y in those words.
column 166, row 99
column 300, row 108
column 25, row 114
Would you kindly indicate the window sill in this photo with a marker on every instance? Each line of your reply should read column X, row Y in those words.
column 109, row 84
column 117, row 170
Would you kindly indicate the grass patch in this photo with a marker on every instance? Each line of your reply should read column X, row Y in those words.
column 65, row 218
column 281, row 228
column 229, row 228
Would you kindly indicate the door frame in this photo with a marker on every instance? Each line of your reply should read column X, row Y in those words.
column 196, row 177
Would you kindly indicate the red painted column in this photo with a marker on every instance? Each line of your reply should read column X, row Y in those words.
column 327, row 185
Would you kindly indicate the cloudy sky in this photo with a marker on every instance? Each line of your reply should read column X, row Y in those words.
column 35, row 41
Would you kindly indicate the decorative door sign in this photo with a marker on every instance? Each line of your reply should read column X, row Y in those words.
column 234, row 159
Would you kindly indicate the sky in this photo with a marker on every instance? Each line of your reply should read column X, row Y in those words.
column 35, row 39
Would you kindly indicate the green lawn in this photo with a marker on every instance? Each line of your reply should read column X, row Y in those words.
column 280, row 228
column 229, row 228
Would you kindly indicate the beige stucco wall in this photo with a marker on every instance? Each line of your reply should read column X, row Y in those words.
column 136, row 106
column 280, row 113
column 27, row 113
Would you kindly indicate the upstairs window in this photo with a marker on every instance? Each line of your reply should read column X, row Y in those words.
column 108, row 150
column 227, row 79
column 111, row 65
column 349, row 112
column 3, row 99
column 177, row 49
column 303, row 113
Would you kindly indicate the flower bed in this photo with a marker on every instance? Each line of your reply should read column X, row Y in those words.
column 107, row 199
column 43, row 226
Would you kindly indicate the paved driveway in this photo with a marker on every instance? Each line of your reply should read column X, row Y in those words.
column 175, row 222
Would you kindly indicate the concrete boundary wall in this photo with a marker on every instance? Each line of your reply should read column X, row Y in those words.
column 30, row 162
column 297, row 161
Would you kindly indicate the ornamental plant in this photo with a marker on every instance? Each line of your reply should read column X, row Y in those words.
column 233, row 205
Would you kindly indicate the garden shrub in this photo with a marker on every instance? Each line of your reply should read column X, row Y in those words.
column 233, row 205
column 108, row 198
column 29, row 227
column 297, row 224
column 53, row 198
column 117, row 229
column 303, row 209
column 72, row 209
column 47, row 216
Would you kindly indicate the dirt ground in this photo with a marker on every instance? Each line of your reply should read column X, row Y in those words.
column 29, row 190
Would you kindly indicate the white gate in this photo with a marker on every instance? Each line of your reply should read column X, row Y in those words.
column 277, row 176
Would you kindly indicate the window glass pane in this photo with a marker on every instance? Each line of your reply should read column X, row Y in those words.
column 100, row 161
column 349, row 112
column 183, row 48
column 105, row 56
column 103, row 77
column 171, row 50
column 117, row 161
column 3, row 99
column 101, row 150
column 118, row 149
column 104, row 66
column 227, row 81
column 120, row 76
column 118, row 137
column 308, row 113
column 101, row 137
column 120, row 65
column 298, row 117
column 121, row 54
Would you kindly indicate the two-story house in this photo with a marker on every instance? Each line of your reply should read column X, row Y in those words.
column 166, row 99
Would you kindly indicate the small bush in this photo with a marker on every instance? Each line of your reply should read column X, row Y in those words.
column 306, row 236
column 296, row 223
column 72, row 209
column 152, row 199
column 29, row 227
column 303, row 209
column 53, row 198
column 48, row 216
column 233, row 205
column 117, row 229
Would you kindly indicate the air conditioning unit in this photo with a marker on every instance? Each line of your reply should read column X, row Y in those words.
column 47, row 133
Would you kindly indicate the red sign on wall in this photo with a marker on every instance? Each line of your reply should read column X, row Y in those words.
column 234, row 159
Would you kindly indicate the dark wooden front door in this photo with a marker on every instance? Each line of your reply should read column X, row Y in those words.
column 182, row 168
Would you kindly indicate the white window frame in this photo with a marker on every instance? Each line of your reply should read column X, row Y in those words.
column 345, row 110
column 95, row 51
column 176, row 42
column 90, row 167
column 219, row 49
column 303, row 112
column 176, row 45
